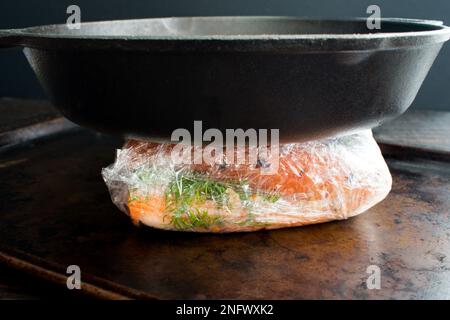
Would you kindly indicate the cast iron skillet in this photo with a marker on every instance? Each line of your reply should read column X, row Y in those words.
column 310, row 78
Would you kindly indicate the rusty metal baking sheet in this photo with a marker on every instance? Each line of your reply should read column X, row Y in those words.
column 55, row 211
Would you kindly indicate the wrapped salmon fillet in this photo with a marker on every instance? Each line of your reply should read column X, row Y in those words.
column 315, row 182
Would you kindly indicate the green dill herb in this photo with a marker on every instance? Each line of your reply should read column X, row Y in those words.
column 250, row 220
column 194, row 218
column 132, row 199
column 270, row 197
column 187, row 191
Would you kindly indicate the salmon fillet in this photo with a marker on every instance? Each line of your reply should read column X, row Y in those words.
column 315, row 182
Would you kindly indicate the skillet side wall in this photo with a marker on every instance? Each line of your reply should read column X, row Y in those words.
column 305, row 95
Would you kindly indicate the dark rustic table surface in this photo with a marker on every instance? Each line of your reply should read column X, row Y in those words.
column 55, row 211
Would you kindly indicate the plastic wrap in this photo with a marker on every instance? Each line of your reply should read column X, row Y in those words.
column 315, row 182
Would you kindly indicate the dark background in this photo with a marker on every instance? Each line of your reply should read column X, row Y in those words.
column 18, row 80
